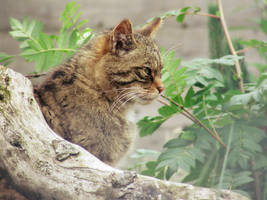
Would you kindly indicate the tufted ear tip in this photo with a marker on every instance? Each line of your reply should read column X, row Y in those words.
column 151, row 28
column 123, row 37
column 124, row 27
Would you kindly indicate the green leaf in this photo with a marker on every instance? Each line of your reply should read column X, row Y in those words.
column 62, row 40
column 189, row 97
column 223, row 120
column 149, row 125
column 197, row 9
column 260, row 45
column 242, row 178
column 45, row 41
column 160, row 174
column 40, row 61
column 34, row 45
column 263, row 24
column 188, row 135
column 150, row 171
column 85, row 36
column 70, row 16
column 81, row 23
column 18, row 35
column 29, row 53
column 200, row 73
column 167, row 14
column 225, row 60
column 194, row 174
column 180, row 17
column 167, row 111
column 15, row 24
column 251, row 145
column 172, row 168
column 258, row 94
column 260, row 162
column 176, row 157
column 74, row 37
column 141, row 153
column 26, row 30
column 177, row 142
column 5, row 57
column 172, row 77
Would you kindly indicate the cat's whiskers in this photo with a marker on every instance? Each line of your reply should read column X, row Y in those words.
column 172, row 48
column 130, row 96
column 117, row 89
column 119, row 99
column 127, row 100
column 118, row 104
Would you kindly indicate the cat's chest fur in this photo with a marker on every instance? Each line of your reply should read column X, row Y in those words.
column 80, row 113
column 87, row 99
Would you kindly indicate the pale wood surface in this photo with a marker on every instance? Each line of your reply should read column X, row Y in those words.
column 42, row 165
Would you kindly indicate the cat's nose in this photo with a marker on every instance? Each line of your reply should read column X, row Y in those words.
column 160, row 89
column 159, row 85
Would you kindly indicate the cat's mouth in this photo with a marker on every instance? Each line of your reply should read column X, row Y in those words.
column 146, row 98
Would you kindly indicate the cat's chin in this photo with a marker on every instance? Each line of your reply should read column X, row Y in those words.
column 146, row 100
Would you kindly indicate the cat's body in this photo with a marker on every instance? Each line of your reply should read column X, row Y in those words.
column 86, row 99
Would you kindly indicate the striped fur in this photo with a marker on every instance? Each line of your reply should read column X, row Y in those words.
column 86, row 99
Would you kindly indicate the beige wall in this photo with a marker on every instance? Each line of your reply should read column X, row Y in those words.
column 189, row 40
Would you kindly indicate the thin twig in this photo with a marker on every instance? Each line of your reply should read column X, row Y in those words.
column 182, row 112
column 257, row 181
column 248, row 48
column 202, row 14
column 243, row 50
column 206, row 113
column 35, row 75
column 195, row 120
column 194, row 13
column 230, row 44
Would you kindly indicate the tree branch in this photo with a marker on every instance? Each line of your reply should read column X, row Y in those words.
column 195, row 120
column 230, row 44
column 202, row 14
column 35, row 75
column 42, row 165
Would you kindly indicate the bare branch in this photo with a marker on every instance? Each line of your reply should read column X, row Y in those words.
column 230, row 44
column 42, row 165
column 196, row 120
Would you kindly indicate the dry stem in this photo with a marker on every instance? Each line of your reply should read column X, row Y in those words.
column 195, row 120
column 202, row 14
column 230, row 44
column 35, row 75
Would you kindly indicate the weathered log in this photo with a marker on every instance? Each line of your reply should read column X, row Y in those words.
column 42, row 165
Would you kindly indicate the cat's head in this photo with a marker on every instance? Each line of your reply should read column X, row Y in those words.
column 130, row 63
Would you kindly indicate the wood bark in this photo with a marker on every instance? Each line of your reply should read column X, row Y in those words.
column 42, row 165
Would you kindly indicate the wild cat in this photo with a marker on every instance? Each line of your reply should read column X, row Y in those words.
column 86, row 99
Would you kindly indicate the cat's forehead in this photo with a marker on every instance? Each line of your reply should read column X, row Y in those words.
column 150, row 50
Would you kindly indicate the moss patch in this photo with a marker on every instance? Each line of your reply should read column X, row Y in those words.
column 4, row 94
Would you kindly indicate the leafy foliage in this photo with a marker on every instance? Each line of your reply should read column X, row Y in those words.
column 201, row 85
column 179, row 14
column 49, row 50
column 239, row 120
column 194, row 150
column 6, row 59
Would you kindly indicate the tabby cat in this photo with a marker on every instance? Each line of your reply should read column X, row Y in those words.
column 86, row 99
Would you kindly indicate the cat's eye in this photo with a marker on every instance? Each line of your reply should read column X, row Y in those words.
column 148, row 71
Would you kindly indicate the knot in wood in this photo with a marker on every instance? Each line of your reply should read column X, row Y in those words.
column 64, row 149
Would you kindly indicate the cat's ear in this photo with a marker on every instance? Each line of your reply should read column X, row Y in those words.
column 123, row 37
column 151, row 28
